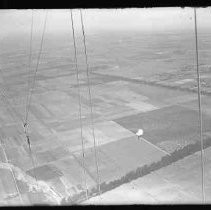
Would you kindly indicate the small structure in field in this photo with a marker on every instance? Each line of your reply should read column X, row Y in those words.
column 139, row 133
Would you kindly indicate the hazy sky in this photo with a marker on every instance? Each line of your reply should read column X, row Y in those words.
column 150, row 19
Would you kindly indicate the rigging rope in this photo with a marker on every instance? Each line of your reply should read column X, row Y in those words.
column 79, row 101
column 200, row 112
column 29, row 65
column 30, row 91
column 90, row 103
column 27, row 97
column 37, row 65
column 28, row 101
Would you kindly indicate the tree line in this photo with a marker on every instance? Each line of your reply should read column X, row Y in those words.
column 142, row 170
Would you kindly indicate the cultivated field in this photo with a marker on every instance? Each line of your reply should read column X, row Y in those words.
column 121, row 105
column 179, row 183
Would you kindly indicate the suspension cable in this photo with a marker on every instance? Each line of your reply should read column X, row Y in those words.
column 29, row 65
column 30, row 91
column 3, row 92
column 27, row 96
column 37, row 65
column 200, row 112
column 79, row 101
column 90, row 103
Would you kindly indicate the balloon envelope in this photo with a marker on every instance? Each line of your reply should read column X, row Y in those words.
column 139, row 132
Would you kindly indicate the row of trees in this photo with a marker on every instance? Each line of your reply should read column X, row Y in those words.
column 146, row 169
column 175, row 86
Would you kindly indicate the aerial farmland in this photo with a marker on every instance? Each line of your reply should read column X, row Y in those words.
column 137, row 80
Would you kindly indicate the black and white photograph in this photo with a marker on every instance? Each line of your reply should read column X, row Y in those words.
column 107, row 106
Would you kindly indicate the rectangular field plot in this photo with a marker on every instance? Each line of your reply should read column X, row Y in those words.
column 10, row 130
column 40, row 112
column 121, row 99
column 179, row 183
column 141, row 106
column 64, row 110
column 206, row 105
column 45, row 172
column 105, row 132
column 185, row 175
column 108, row 169
column 18, row 156
column 5, row 116
column 53, row 154
column 70, row 124
column 38, row 126
column 161, row 96
column 112, row 110
column 119, row 157
column 167, row 127
column 73, row 173
column 130, row 153
column 43, row 144
column 118, row 92
column 7, row 183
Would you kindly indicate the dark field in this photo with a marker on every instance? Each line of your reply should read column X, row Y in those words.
column 175, row 123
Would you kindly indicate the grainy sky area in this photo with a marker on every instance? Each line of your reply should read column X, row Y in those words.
column 150, row 19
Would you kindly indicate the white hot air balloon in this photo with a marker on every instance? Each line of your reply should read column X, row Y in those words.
column 139, row 133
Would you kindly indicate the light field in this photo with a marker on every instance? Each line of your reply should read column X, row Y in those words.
column 178, row 183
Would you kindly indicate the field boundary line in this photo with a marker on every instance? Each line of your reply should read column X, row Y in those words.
column 158, row 148
column 85, row 168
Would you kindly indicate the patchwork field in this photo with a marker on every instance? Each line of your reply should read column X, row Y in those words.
column 55, row 169
column 178, row 183
column 176, row 125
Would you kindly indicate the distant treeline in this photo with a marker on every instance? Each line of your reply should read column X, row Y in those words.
column 141, row 171
column 173, row 86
